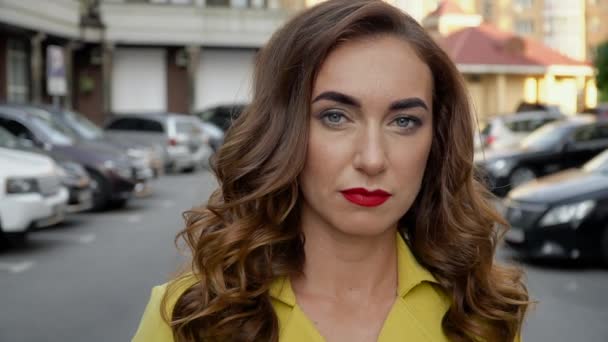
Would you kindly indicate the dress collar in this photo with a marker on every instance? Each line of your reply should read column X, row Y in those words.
column 410, row 274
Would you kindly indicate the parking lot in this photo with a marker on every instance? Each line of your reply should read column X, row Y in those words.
column 89, row 278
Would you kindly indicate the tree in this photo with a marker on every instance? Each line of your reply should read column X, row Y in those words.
column 601, row 63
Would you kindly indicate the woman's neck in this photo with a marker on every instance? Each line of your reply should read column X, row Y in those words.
column 340, row 266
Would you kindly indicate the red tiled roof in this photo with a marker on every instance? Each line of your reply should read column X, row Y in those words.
column 486, row 45
column 446, row 7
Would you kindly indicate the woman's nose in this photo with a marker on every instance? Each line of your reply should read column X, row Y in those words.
column 370, row 157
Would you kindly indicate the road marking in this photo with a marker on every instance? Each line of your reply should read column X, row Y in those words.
column 58, row 236
column 16, row 267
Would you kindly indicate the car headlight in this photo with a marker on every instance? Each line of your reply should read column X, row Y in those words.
column 22, row 185
column 500, row 167
column 140, row 157
column 123, row 172
column 569, row 213
column 73, row 174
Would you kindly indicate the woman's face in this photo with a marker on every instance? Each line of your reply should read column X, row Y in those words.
column 370, row 135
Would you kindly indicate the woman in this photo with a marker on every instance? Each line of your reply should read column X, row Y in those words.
column 347, row 208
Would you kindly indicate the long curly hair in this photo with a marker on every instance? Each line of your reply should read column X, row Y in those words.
column 248, row 233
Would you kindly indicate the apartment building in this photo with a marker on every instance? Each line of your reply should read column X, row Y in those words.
column 573, row 27
column 597, row 25
column 136, row 55
column 503, row 69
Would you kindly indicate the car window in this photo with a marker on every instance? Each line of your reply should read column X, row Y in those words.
column 585, row 134
column 16, row 129
column 150, row 126
column 602, row 131
column 54, row 132
column 82, row 126
column 599, row 163
column 486, row 130
column 546, row 136
column 528, row 125
column 125, row 124
column 7, row 140
column 221, row 116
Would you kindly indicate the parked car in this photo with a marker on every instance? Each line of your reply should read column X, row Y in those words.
column 221, row 115
column 213, row 135
column 554, row 147
column 146, row 159
column 505, row 131
column 111, row 172
column 73, row 175
column 31, row 195
column 564, row 215
column 180, row 135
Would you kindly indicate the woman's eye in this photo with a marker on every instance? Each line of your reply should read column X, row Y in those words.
column 333, row 118
column 406, row 122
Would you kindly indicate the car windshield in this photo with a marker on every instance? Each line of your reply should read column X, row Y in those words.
column 82, row 126
column 57, row 133
column 7, row 140
column 206, row 115
column 598, row 164
column 546, row 137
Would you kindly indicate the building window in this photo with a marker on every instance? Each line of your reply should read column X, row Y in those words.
column 524, row 27
column 594, row 24
column 218, row 3
column 487, row 9
column 169, row 2
column 524, row 4
column 18, row 72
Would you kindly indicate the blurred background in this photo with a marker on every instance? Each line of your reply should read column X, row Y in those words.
column 110, row 110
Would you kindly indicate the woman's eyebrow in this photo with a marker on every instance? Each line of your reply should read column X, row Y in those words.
column 411, row 102
column 337, row 97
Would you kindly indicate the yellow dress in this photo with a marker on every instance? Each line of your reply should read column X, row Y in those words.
column 416, row 315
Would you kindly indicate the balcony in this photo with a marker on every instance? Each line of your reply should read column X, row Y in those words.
column 189, row 22
column 57, row 17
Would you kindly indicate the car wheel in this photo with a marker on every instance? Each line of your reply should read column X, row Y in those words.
column 16, row 239
column 100, row 192
column 520, row 176
column 119, row 203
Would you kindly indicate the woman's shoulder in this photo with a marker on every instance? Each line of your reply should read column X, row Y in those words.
column 153, row 327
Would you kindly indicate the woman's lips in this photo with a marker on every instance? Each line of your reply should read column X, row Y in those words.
column 365, row 197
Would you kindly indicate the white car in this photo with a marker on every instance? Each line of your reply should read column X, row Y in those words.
column 504, row 131
column 31, row 194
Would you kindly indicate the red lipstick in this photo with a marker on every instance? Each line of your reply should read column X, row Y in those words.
column 365, row 197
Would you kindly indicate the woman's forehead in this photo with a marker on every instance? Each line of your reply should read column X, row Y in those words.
column 384, row 67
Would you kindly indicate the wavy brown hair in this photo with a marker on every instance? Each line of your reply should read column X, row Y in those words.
column 248, row 233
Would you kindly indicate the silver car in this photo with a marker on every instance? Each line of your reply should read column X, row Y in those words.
column 504, row 131
column 179, row 134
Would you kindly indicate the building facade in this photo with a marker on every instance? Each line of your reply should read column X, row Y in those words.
column 503, row 69
column 573, row 27
column 136, row 55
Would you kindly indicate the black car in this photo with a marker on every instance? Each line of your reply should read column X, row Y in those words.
column 564, row 215
column 112, row 176
column 73, row 176
column 554, row 147
column 222, row 115
column 145, row 159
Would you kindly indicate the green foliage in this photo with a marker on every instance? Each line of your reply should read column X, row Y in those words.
column 601, row 63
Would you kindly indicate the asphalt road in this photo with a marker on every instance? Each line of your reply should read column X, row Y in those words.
column 89, row 278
